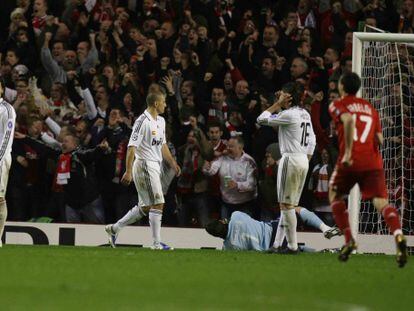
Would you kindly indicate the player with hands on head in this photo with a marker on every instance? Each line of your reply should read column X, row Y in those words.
column 297, row 142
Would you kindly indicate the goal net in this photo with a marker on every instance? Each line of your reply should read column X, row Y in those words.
column 385, row 63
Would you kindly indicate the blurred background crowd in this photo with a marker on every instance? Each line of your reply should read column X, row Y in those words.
column 78, row 72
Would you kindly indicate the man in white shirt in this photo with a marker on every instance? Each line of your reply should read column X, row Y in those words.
column 146, row 149
column 7, row 124
column 297, row 143
column 238, row 183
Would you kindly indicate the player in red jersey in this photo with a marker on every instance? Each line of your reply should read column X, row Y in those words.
column 359, row 161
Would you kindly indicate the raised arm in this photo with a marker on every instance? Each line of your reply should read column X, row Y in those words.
column 50, row 141
column 50, row 65
column 91, row 110
column 53, row 126
column 93, row 57
column 273, row 116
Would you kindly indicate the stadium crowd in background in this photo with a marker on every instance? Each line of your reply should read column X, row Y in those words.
column 78, row 72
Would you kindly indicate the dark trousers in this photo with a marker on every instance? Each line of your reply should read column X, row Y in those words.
column 194, row 205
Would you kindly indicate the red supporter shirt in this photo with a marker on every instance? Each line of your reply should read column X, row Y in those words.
column 365, row 152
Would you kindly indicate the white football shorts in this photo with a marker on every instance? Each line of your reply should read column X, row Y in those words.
column 4, row 174
column 147, row 179
column 291, row 177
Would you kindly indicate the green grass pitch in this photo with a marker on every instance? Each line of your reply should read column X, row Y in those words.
column 82, row 278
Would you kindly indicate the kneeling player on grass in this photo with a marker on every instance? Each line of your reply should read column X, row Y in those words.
column 359, row 134
column 245, row 233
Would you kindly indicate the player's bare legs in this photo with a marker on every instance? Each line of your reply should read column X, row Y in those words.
column 392, row 220
column 340, row 214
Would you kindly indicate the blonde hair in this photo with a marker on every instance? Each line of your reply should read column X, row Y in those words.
column 154, row 97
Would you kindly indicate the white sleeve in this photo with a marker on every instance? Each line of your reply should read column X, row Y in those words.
column 312, row 143
column 91, row 110
column 138, row 133
column 50, row 141
column 215, row 166
column 10, row 95
column 3, row 121
column 6, row 133
column 54, row 127
column 164, row 138
column 282, row 118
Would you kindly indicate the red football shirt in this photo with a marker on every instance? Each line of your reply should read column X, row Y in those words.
column 365, row 152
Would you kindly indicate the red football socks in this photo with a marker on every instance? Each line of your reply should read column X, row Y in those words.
column 391, row 218
column 340, row 214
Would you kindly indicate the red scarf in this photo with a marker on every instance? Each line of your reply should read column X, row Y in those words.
column 63, row 169
column 120, row 156
column 39, row 22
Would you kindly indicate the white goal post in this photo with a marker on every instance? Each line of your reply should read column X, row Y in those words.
column 384, row 61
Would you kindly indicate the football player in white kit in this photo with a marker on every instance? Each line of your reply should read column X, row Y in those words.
column 146, row 149
column 297, row 143
column 7, row 123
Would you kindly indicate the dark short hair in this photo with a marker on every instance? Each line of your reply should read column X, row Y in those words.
column 350, row 82
column 239, row 139
column 275, row 27
column 217, row 228
column 272, row 59
column 335, row 49
column 295, row 89
column 214, row 123
column 61, row 42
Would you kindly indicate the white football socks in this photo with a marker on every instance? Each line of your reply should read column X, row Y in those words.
column 290, row 221
column 133, row 215
column 324, row 227
column 155, row 217
column 280, row 233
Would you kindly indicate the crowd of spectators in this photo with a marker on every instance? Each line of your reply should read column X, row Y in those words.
column 78, row 72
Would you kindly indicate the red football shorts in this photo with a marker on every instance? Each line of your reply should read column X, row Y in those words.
column 371, row 183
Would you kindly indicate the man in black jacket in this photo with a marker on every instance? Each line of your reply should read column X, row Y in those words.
column 76, row 173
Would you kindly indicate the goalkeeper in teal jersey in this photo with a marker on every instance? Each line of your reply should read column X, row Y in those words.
column 242, row 232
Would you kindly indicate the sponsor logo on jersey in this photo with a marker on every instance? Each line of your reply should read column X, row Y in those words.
column 10, row 124
column 156, row 142
column 154, row 133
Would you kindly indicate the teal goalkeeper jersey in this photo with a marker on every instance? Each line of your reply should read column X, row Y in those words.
column 245, row 233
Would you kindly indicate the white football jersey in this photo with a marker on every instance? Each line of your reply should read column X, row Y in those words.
column 7, row 124
column 148, row 136
column 295, row 130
